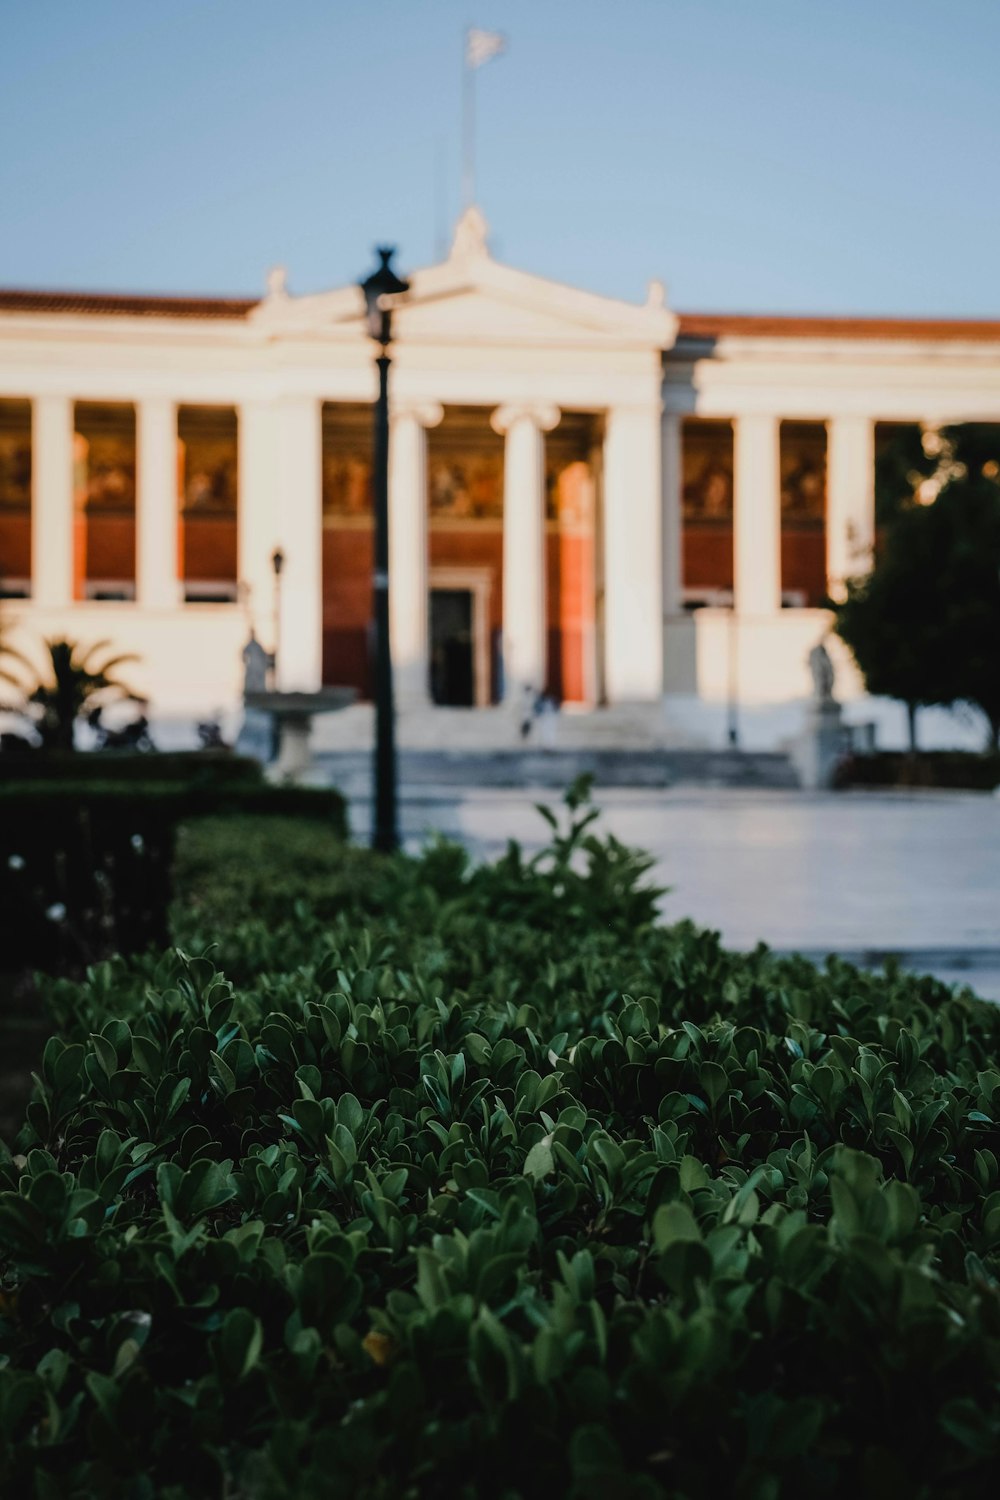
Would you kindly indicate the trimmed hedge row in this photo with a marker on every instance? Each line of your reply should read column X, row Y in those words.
column 489, row 1186
column 85, row 867
column 193, row 767
column 957, row 770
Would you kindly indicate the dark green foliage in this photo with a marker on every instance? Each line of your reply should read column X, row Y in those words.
column 194, row 767
column 957, row 769
column 489, row 1186
column 900, row 467
column 85, row 866
column 924, row 625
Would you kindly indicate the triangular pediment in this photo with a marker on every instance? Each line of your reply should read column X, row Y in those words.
column 470, row 298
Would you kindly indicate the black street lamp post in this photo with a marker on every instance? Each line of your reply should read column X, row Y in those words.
column 732, row 696
column 277, row 565
column 381, row 288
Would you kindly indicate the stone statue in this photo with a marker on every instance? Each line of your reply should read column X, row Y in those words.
column 256, row 664
column 823, row 676
column 818, row 749
column 472, row 232
column 277, row 284
column 257, row 735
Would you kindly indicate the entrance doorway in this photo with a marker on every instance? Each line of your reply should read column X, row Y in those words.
column 452, row 648
column 459, row 609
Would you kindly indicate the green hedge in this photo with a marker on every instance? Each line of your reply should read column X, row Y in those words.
column 193, row 767
column 85, row 867
column 490, row 1186
column 956, row 770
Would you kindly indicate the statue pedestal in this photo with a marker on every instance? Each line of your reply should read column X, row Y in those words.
column 294, row 748
column 256, row 736
column 816, row 751
column 293, row 713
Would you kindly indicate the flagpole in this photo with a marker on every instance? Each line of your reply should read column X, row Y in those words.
column 468, row 126
column 440, row 202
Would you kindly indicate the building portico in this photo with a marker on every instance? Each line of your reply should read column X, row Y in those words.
column 631, row 511
column 513, row 529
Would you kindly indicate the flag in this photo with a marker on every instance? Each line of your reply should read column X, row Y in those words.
column 480, row 46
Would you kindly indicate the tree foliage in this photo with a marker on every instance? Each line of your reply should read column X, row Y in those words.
column 924, row 624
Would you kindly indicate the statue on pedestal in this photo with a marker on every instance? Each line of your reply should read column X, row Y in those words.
column 817, row 750
column 823, row 674
column 256, row 737
column 256, row 664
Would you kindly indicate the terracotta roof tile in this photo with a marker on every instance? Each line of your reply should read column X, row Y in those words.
column 778, row 325
column 138, row 305
column 691, row 325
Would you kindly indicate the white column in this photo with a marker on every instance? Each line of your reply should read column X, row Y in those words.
column 408, row 550
column 757, row 518
column 525, row 633
column 257, row 515
column 850, row 500
column 673, row 539
column 52, row 501
column 633, row 555
column 299, row 517
column 157, row 583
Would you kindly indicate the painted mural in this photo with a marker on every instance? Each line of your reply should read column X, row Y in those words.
column 707, row 493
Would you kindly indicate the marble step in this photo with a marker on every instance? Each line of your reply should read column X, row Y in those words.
column 352, row 770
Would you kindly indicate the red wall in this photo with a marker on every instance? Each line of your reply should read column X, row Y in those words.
column 803, row 561
column 708, row 555
column 347, row 599
column 348, row 559
column 570, row 556
column 15, row 544
column 105, row 547
column 206, row 547
column 708, row 558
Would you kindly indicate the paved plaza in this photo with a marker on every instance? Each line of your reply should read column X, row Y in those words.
column 862, row 874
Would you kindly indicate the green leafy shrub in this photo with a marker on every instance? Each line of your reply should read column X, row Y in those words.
column 487, row 1184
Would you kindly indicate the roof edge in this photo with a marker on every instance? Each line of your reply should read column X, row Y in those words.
column 695, row 325
column 125, row 304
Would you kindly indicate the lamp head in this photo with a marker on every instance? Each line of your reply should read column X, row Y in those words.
column 380, row 289
column 277, row 561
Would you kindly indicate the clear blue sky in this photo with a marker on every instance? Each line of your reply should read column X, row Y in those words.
column 810, row 155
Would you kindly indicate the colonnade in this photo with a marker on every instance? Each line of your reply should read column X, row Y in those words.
column 850, row 508
column 280, row 505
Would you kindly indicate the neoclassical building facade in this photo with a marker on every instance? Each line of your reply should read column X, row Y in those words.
column 630, row 509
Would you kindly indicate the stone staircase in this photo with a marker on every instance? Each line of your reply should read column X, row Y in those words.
column 625, row 728
column 351, row 770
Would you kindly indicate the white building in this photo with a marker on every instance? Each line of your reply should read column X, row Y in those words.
column 637, row 510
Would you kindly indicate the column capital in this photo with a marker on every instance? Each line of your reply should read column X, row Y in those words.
column 541, row 414
column 424, row 413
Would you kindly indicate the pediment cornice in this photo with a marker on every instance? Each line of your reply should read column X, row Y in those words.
column 545, row 310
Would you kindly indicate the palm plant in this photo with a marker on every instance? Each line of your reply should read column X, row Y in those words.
column 7, row 677
column 77, row 681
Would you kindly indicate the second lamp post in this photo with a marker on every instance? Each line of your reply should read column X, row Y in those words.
column 380, row 289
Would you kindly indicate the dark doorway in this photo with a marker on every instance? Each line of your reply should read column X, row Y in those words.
column 452, row 675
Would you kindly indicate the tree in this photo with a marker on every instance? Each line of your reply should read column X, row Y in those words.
column 924, row 624
column 76, row 681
